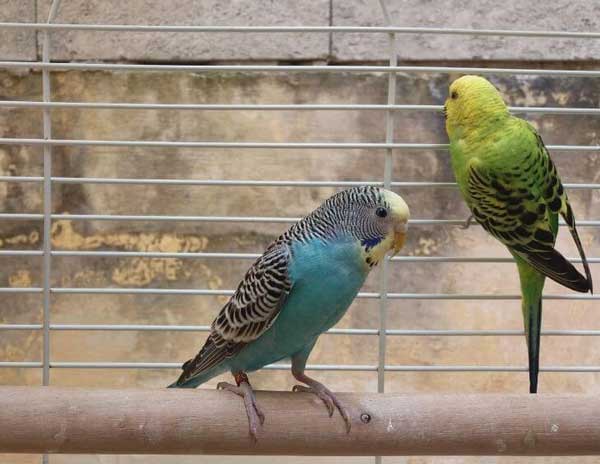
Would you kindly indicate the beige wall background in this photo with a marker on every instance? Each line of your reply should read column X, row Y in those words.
column 281, row 126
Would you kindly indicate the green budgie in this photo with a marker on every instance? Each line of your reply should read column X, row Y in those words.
column 299, row 288
column 513, row 190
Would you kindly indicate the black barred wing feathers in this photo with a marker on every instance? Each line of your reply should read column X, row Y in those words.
column 248, row 314
column 519, row 205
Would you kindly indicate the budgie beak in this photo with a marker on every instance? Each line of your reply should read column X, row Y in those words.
column 400, row 216
column 399, row 237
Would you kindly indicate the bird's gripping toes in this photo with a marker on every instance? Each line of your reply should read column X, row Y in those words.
column 299, row 288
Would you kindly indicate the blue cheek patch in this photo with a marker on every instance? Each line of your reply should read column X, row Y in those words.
column 369, row 243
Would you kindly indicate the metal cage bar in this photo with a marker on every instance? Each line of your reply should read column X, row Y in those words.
column 387, row 180
column 229, row 292
column 237, row 219
column 288, row 29
column 253, row 183
column 313, row 367
column 47, row 201
column 298, row 68
column 273, row 145
column 276, row 107
column 333, row 331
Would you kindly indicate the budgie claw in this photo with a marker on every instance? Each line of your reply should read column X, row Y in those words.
column 326, row 399
column 467, row 222
column 326, row 395
column 256, row 418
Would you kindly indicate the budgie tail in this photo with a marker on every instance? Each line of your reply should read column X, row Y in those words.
column 532, row 284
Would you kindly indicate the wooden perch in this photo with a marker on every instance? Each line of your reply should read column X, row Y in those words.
column 68, row 420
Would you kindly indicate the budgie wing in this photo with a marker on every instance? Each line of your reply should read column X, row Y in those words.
column 248, row 314
column 519, row 206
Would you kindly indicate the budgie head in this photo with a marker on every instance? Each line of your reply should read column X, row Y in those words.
column 374, row 217
column 473, row 102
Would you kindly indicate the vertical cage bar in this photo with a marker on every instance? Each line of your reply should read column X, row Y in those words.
column 47, row 200
column 387, row 182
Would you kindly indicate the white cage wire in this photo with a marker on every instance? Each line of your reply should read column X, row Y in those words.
column 389, row 145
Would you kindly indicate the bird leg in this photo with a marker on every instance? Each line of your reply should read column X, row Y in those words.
column 326, row 395
column 256, row 417
column 468, row 222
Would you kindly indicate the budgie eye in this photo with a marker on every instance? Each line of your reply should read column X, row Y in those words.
column 381, row 212
column 454, row 95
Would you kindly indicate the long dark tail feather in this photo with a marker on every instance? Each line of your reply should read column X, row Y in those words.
column 570, row 220
column 181, row 380
column 204, row 366
column 192, row 382
column 186, row 380
column 533, row 345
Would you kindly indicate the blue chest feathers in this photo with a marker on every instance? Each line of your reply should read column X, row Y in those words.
column 326, row 278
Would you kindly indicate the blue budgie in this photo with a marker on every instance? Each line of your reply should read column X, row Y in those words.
column 299, row 288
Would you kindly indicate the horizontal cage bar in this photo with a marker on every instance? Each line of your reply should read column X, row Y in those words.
column 21, row 290
column 274, row 145
column 21, row 253
column 228, row 292
column 334, row 331
column 315, row 367
column 296, row 68
column 252, row 183
column 21, row 364
column 239, row 219
column 277, row 107
column 297, row 29
column 208, row 255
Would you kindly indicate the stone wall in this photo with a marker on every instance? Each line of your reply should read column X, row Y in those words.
column 279, row 126
column 560, row 15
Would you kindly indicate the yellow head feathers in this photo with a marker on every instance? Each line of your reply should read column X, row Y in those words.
column 397, row 225
column 472, row 102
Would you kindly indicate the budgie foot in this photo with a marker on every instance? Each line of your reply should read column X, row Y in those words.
column 326, row 395
column 468, row 222
column 256, row 417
